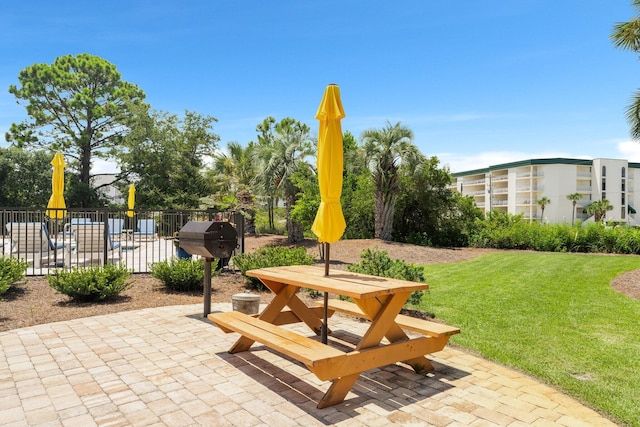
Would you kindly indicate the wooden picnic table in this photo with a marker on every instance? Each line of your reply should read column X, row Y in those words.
column 377, row 299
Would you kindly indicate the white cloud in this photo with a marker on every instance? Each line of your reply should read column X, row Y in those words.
column 629, row 150
column 101, row 166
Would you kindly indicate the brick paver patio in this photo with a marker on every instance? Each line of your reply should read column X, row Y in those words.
column 169, row 367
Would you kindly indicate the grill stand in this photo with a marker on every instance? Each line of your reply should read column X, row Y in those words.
column 207, row 286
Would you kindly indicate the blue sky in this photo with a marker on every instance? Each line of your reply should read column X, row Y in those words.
column 479, row 82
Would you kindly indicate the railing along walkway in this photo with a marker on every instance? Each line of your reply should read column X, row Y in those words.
column 94, row 237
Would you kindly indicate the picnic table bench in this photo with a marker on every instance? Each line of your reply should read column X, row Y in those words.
column 375, row 298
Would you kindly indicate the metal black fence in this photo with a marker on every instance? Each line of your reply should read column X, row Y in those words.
column 83, row 237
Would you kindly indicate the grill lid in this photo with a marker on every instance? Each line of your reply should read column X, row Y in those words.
column 210, row 239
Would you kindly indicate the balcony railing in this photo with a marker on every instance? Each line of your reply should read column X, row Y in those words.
column 529, row 175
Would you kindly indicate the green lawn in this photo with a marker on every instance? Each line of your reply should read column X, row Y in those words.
column 553, row 316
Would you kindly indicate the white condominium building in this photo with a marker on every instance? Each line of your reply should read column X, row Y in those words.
column 516, row 187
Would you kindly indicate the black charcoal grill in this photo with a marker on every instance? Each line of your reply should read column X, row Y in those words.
column 209, row 239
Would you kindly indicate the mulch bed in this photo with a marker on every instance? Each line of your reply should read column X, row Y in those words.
column 33, row 302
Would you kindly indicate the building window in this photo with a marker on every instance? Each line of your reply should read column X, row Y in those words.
column 623, row 185
column 623, row 172
column 604, row 184
column 604, row 195
column 622, row 212
column 622, row 198
column 604, row 171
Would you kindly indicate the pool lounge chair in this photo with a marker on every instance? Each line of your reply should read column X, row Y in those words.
column 146, row 230
column 90, row 245
column 32, row 242
column 116, row 226
column 68, row 227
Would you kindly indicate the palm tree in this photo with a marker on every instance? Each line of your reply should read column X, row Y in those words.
column 385, row 150
column 543, row 202
column 574, row 197
column 626, row 35
column 599, row 209
column 281, row 151
column 233, row 172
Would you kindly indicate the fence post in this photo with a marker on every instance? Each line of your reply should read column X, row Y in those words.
column 105, row 248
column 238, row 219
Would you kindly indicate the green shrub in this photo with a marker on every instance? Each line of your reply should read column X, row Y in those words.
column 11, row 270
column 181, row 274
column 378, row 263
column 504, row 231
column 280, row 222
column 90, row 284
column 270, row 256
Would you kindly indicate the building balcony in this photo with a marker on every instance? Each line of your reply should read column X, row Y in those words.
column 526, row 189
column 481, row 181
column 529, row 175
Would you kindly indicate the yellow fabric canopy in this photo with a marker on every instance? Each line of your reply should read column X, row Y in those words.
column 132, row 200
column 56, row 202
column 329, row 223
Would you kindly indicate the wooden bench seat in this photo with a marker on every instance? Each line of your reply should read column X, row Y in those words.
column 304, row 349
column 422, row 326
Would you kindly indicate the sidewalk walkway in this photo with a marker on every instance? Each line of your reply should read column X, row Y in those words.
column 169, row 367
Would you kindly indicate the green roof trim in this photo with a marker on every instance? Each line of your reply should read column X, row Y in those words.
column 630, row 209
column 532, row 162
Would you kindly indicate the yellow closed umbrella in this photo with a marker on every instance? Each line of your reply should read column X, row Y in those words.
column 132, row 200
column 56, row 205
column 329, row 223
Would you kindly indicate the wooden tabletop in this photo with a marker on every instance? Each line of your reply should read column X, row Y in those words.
column 355, row 285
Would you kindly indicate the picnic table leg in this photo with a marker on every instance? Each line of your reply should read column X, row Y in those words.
column 282, row 295
column 383, row 311
column 296, row 305
column 338, row 390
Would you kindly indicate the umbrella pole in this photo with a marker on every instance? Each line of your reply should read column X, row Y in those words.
column 326, row 294
column 326, row 258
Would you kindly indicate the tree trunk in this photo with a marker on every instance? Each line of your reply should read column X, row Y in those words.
column 295, row 232
column 384, row 212
column 250, row 222
column 85, row 151
column 270, row 213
